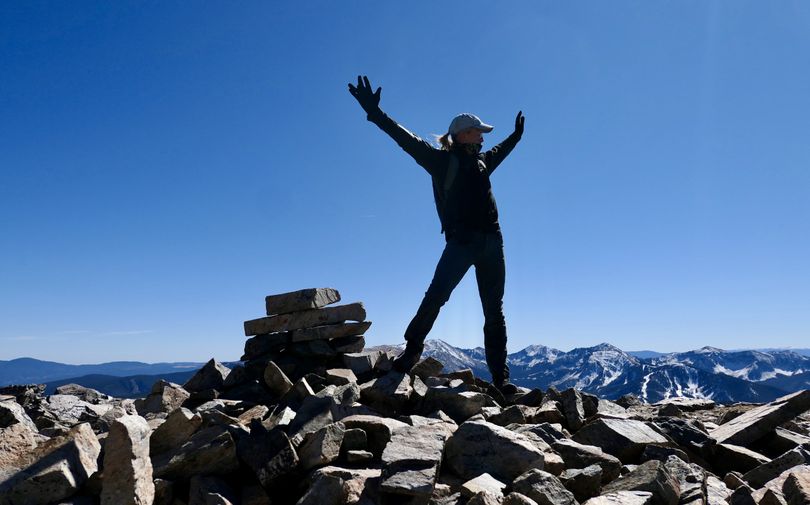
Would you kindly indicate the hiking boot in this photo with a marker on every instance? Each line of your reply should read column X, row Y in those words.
column 409, row 357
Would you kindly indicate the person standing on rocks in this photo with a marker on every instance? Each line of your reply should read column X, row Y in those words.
column 469, row 218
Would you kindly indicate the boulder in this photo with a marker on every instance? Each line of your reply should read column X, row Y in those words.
column 457, row 403
column 623, row 438
column 623, row 498
column 411, row 459
column 211, row 376
column 305, row 319
column 796, row 488
column 12, row 412
column 178, row 427
column 270, row 455
column 275, row 380
column 55, row 470
column 83, row 393
column 427, row 367
column 578, row 455
column 484, row 482
column 210, row 451
column 387, row 394
column 164, row 397
column 758, row 476
column 127, row 467
column 485, row 498
column 652, row 476
column 584, row 483
column 210, row 490
column 340, row 376
column 543, row 488
column 481, row 447
column 329, row 331
column 303, row 299
column 691, row 480
column 321, row 447
column 378, row 430
column 361, row 363
column 759, row 421
column 572, row 408
column 730, row 457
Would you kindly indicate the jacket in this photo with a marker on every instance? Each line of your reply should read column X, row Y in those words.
column 461, row 186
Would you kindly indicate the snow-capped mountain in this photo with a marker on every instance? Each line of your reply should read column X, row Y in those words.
column 609, row 372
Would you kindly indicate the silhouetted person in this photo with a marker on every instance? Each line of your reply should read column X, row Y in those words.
column 469, row 218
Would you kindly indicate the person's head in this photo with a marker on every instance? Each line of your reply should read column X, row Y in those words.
column 465, row 129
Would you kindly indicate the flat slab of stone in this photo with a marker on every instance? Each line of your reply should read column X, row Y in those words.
column 578, row 455
column 543, row 488
column 303, row 299
column 127, row 467
column 209, row 451
column 378, row 430
column 759, row 421
column 329, row 331
column 306, row 319
column 623, row 438
column 758, row 476
column 797, row 487
column 622, row 498
column 484, row 482
column 387, row 394
column 687, row 404
column 652, row 476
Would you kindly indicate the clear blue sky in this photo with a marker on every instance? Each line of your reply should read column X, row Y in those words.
column 164, row 166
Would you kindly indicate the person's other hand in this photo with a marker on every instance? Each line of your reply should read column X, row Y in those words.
column 362, row 92
column 519, row 120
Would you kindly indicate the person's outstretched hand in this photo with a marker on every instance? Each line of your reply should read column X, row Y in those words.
column 519, row 120
column 368, row 101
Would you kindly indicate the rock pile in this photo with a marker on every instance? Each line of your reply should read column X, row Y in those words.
column 327, row 423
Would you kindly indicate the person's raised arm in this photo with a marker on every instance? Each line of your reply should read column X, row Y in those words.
column 497, row 154
column 421, row 151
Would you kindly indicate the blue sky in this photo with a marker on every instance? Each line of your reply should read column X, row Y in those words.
column 164, row 166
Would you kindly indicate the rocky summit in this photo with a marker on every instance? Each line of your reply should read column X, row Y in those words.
column 312, row 417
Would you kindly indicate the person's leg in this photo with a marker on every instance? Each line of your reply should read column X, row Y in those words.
column 453, row 264
column 490, row 272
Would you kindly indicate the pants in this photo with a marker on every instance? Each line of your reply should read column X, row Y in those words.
column 485, row 252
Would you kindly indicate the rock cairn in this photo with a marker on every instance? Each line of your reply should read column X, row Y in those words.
column 327, row 423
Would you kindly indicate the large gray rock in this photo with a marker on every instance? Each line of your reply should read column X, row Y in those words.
column 759, row 421
column 411, row 459
column 210, row 451
column 387, row 394
column 716, row 491
column 797, row 488
column 691, row 480
column 623, row 438
column 174, row 431
column 361, row 363
column 305, row 319
column 329, row 331
column 481, row 447
column 83, row 393
column 269, row 454
column 484, row 482
column 457, row 403
column 127, row 467
column 12, row 412
column 321, row 447
column 576, row 455
column 54, row 471
column 652, row 476
column 211, row 376
column 622, row 498
column 303, row 299
column 378, row 430
column 572, row 408
column 16, row 442
column 730, row 457
column 276, row 380
column 543, row 488
column 164, row 397
column 210, row 490
column 757, row 477
column 70, row 410
column 427, row 367
column 333, row 485
column 584, row 483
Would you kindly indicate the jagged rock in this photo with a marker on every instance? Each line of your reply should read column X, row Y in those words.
column 797, row 488
column 387, row 394
column 12, row 412
column 590, row 403
column 378, row 430
column 329, row 331
column 210, row 490
column 411, row 459
column 303, row 299
column 361, row 363
column 270, row 455
column 514, row 414
column 743, row 495
column 771, row 497
column 265, row 344
column 533, row 398
column 70, row 410
column 340, row 376
column 15, row 442
column 209, row 451
column 572, row 408
column 691, row 480
column 628, row 400
column 543, row 488
column 716, row 491
column 354, row 439
column 514, row 498
column 759, row 421
column 237, row 377
column 623, row 438
column 734, row 480
column 661, row 453
column 164, row 492
column 275, row 380
column 485, row 498
column 321, row 447
column 86, row 394
column 670, row 410
column 623, row 498
column 211, row 376
column 427, row 367
column 611, row 409
column 359, row 456
column 460, row 405
column 584, row 483
column 355, row 343
column 548, row 412
column 313, row 414
column 257, row 412
column 164, row 397
column 333, row 485
column 127, row 467
column 729, row 457
column 484, row 482
column 652, row 476
column 479, row 446
column 689, row 435
column 550, row 433
column 305, row 319
column 178, row 427
column 779, row 442
column 757, row 477
column 55, row 470
column 578, row 455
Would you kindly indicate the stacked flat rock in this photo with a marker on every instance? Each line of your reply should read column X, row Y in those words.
column 304, row 333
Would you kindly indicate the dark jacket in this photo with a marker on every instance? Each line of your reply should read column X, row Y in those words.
column 464, row 201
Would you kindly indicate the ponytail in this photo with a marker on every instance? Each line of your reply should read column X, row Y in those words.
column 445, row 141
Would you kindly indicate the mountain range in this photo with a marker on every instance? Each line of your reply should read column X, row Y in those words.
column 605, row 370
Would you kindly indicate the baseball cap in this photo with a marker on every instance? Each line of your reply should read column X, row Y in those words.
column 464, row 121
